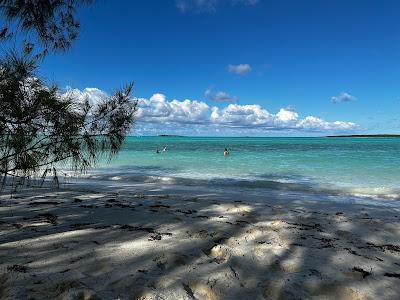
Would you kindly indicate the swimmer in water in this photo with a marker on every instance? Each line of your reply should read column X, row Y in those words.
column 226, row 152
column 158, row 151
column 165, row 149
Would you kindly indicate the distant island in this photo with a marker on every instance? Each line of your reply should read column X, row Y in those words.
column 365, row 136
column 170, row 135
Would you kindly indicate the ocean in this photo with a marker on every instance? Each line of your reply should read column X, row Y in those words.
column 346, row 167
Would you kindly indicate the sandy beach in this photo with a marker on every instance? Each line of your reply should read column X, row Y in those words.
column 153, row 242
column 199, row 150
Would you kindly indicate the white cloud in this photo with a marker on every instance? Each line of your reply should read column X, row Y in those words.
column 158, row 115
column 235, row 115
column 287, row 114
column 314, row 123
column 158, row 110
column 219, row 96
column 240, row 69
column 343, row 97
column 209, row 5
column 93, row 95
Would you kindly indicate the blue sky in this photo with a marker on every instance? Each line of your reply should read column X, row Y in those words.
column 249, row 59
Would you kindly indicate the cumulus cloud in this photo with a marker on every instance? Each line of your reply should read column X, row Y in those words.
column 93, row 96
column 240, row 69
column 343, row 97
column 314, row 123
column 209, row 5
column 219, row 96
column 287, row 114
column 159, row 115
column 158, row 110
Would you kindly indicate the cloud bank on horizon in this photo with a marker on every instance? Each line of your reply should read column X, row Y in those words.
column 158, row 115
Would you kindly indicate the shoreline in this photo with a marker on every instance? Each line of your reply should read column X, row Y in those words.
column 252, row 186
column 154, row 241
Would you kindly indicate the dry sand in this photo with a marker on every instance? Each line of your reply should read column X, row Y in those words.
column 108, row 243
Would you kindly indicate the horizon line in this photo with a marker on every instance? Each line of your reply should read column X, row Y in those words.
column 249, row 136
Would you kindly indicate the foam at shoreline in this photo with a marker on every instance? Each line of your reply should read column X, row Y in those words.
column 276, row 184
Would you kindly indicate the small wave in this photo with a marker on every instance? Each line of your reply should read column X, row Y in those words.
column 280, row 184
column 377, row 192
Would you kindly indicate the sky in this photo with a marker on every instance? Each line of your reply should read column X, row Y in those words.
column 242, row 67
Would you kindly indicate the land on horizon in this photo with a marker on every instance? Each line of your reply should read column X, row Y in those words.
column 365, row 135
column 246, row 136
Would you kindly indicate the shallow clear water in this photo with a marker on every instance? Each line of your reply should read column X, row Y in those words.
column 357, row 166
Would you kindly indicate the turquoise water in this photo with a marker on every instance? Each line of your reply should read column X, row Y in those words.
column 357, row 166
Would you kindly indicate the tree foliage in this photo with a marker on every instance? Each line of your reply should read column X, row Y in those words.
column 53, row 22
column 41, row 127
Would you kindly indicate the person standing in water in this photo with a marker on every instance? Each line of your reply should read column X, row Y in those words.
column 226, row 152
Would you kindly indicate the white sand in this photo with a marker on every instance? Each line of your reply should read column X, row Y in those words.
column 152, row 243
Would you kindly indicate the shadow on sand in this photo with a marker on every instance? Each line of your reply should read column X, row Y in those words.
column 86, row 243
